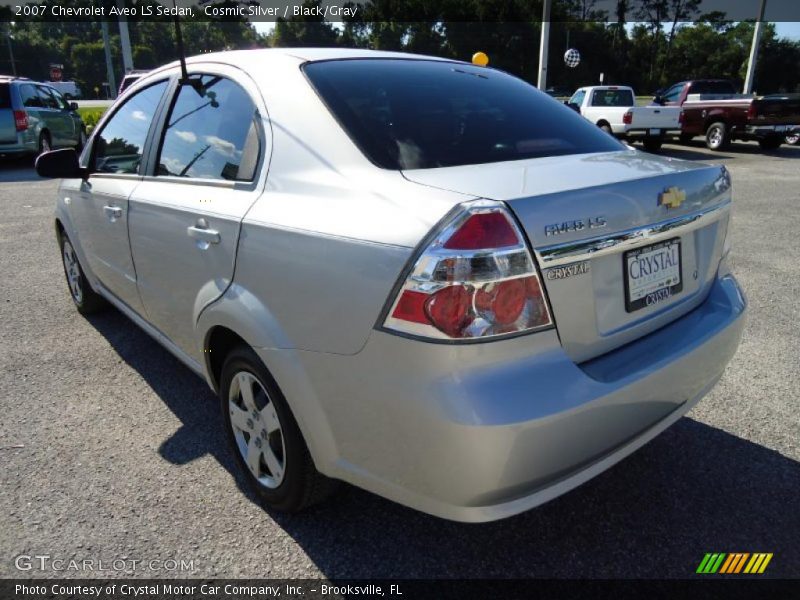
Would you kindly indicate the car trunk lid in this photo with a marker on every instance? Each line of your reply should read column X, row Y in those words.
column 591, row 218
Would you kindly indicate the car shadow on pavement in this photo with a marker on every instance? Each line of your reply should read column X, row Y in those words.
column 18, row 169
column 692, row 490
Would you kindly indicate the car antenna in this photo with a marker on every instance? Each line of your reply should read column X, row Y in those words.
column 184, row 80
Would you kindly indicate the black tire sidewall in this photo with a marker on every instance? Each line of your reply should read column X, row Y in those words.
column 288, row 496
column 63, row 239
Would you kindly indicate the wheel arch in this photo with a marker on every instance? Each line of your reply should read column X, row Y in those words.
column 602, row 122
column 287, row 372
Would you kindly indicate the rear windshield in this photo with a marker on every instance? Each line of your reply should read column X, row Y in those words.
column 5, row 96
column 612, row 98
column 418, row 114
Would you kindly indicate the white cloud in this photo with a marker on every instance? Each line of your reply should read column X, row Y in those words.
column 187, row 136
column 222, row 146
column 139, row 115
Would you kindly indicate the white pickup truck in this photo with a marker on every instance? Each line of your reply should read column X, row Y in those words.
column 613, row 109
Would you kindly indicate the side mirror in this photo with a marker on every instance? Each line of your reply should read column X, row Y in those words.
column 73, row 106
column 658, row 99
column 62, row 164
column 573, row 106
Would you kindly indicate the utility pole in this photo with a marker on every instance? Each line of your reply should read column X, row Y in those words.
column 112, row 85
column 10, row 37
column 544, row 43
column 125, row 40
column 751, row 65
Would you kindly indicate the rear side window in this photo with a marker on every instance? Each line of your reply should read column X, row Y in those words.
column 612, row 98
column 419, row 114
column 211, row 133
column 5, row 96
column 119, row 146
column 30, row 96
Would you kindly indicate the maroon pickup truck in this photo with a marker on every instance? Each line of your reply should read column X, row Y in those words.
column 713, row 109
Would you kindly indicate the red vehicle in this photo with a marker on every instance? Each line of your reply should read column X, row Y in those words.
column 713, row 109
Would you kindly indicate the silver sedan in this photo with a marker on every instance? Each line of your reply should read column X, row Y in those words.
column 419, row 276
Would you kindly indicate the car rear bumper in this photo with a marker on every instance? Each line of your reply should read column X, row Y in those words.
column 18, row 149
column 479, row 432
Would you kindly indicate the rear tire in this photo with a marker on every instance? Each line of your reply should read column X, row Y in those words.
column 45, row 144
column 86, row 300
column 717, row 136
column 652, row 144
column 770, row 143
column 792, row 138
column 606, row 127
column 264, row 436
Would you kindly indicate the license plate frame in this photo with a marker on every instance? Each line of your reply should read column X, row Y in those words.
column 658, row 294
column 654, row 131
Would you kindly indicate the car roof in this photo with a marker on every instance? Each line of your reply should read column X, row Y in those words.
column 259, row 58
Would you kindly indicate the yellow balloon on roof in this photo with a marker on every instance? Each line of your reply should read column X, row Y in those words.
column 480, row 59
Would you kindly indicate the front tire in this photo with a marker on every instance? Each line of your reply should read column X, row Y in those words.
column 265, row 438
column 792, row 138
column 86, row 300
column 652, row 144
column 717, row 136
column 770, row 143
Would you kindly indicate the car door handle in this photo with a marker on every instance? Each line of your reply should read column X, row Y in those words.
column 202, row 233
column 113, row 212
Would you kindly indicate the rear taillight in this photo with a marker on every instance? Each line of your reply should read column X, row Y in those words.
column 627, row 118
column 681, row 117
column 752, row 111
column 21, row 120
column 476, row 279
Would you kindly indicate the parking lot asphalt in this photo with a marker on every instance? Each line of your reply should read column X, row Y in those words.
column 111, row 449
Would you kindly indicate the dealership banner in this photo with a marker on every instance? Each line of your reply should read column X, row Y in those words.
column 368, row 10
column 462, row 589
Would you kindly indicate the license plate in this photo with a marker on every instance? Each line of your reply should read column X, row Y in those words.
column 652, row 274
column 655, row 132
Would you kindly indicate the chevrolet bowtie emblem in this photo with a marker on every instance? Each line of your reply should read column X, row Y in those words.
column 672, row 197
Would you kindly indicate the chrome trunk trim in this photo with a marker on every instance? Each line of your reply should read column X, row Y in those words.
column 569, row 252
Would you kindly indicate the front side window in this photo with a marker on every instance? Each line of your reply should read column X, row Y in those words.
column 48, row 99
column 577, row 97
column 673, row 93
column 120, row 145
column 612, row 98
column 211, row 132
column 421, row 114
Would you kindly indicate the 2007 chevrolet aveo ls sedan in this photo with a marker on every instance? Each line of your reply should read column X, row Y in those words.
column 419, row 276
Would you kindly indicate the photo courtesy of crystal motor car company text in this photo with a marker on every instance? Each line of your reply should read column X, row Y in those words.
column 467, row 272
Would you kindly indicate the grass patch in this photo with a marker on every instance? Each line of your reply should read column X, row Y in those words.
column 91, row 116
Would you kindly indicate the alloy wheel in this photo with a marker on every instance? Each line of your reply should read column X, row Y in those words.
column 73, row 270
column 257, row 429
column 715, row 137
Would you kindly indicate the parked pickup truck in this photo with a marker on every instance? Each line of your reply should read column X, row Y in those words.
column 712, row 108
column 613, row 109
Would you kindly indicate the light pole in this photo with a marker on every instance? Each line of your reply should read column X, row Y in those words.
column 543, row 44
column 109, row 66
column 751, row 65
column 10, row 37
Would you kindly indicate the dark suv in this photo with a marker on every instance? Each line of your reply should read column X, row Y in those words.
column 34, row 118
